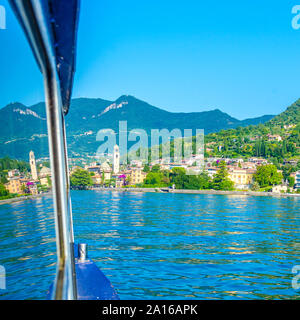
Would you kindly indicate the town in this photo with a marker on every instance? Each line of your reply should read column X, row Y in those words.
column 216, row 173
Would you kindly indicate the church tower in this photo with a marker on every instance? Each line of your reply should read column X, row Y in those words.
column 33, row 166
column 116, row 161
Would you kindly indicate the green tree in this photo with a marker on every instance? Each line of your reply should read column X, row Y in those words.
column 284, row 147
column 156, row 168
column 267, row 175
column 178, row 177
column 291, row 181
column 255, row 186
column 196, row 182
column 221, row 180
column 146, row 168
column 3, row 191
column 49, row 181
column 81, row 178
column 154, row 179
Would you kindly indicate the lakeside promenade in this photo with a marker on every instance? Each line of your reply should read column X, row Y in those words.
column 166, row 190
column 213, row 192
column 24, row 198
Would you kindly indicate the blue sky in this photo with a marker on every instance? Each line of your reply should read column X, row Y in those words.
column 242, row 57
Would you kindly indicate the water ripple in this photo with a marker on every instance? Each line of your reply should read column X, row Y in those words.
column 160, row 246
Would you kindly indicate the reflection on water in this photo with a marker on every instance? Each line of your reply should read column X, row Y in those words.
column 160, row 246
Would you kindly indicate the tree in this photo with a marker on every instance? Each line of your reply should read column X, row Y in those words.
column 154, row 179
column 291, row 181
column 196, row 182
column 221, row 180
column 284, row 148
column 267, row 175
column 156, row 168
column 81, row 179
column 3, row 191
column 146, row 168
column 178, row 177
column 255, row 186
column 112, row 182
column 3, row 177
column 49, row 181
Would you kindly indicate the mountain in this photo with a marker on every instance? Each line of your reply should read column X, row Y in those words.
column 291, row 116
column 277, row 139
column 23, row 128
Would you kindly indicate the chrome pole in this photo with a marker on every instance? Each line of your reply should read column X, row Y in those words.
column 74, row 283
column 65, row 286
column 32, row 17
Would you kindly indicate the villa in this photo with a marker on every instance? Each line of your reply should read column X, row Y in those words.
column 14, row 185
column 242, row 178
column 137, row 175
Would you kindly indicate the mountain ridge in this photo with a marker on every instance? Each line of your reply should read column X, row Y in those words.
column 23, row 128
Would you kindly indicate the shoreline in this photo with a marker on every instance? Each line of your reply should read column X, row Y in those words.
column 211, row 192
column 165, row 190
column 23, row 198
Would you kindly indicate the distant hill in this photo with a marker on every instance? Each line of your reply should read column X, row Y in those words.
column 23, row 128
column 277, row 139
column 291, row 116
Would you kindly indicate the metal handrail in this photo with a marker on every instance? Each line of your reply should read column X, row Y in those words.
column 31, row 14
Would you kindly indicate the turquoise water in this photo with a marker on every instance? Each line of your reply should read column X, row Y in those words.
column 160, row 246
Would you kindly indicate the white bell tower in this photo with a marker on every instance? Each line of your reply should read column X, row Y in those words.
column 116, row 160
column 33, row 165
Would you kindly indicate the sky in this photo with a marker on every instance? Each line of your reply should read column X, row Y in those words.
column 242, row 57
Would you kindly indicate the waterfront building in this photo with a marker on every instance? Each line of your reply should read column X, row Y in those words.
column 14, row 185
column 32, row 187
column 282, row 188
column 137, row 176
column 242, row 178
column 105, row 171
column 44, row 175
column 97, row 179
column 297, row 180
column 33, row 166
column 116, row 160
column 120, row 181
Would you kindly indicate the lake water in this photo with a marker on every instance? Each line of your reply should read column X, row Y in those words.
column 160, row 246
